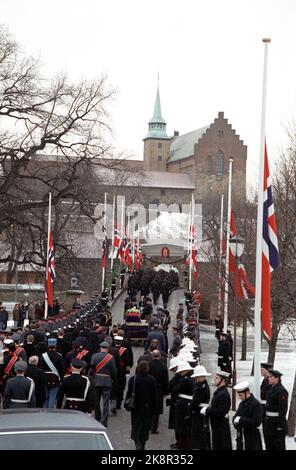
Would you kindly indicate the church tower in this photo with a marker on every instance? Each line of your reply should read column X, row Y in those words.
column 156, row 142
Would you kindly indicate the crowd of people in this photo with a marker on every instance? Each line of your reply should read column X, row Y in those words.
column 78, row 360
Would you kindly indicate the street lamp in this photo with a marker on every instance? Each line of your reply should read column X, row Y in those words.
column 237, row 245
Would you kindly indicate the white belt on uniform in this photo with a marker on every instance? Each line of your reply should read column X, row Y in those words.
column 75, row 399
column 220, row 357
column 263, row 402
column 203, row 404
column 13, row 400
column 272, row 413
column 187, row 397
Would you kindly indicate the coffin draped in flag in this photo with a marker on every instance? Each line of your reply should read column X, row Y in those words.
column 270, row 251
column 50, row 275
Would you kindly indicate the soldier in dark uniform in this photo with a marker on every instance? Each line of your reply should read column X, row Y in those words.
column 183, row 389
column 275, row 422
column 123, row 369
column 20, row 390
column 223, row 354
column 104, row 372
column 79, row 351
column 122, row 278
column 247, row 419
column 76, row 388
column 52, row 364
column 218, row 413
column 264, row 387
column 200, row 426
column 113, row 288
column 174, row 362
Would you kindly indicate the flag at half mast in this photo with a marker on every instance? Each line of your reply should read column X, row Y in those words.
column 50, row 275
column 270, row 250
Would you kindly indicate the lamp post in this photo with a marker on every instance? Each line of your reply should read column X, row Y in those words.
column 237, row 245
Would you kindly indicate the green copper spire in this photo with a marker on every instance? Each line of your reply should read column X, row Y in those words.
column 157, row 125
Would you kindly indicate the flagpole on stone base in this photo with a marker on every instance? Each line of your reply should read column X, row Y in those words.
column 259, row 243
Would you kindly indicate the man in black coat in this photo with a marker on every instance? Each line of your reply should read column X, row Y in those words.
column 39, row 378
column 247, row 419
column 218, row 413
column 160, row 372
column 275, row 422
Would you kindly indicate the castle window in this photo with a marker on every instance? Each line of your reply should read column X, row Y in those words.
column 159, row 145
column 219, row 162
column 159, row 158
column 220, row 133
column 209, row 165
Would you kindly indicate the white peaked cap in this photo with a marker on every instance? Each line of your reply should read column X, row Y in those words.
column 200, row 371
column 241, row 387
column 184, row 366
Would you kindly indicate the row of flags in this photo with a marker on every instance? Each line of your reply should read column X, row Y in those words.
column 128, row 250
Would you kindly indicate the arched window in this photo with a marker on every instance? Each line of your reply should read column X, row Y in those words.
column 209, row 165
column 219, row 162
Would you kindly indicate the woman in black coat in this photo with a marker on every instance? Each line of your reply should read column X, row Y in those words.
column 247, row 419
column 145, row 404
column 200, row 426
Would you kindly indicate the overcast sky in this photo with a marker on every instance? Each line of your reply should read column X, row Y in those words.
column 209, row 54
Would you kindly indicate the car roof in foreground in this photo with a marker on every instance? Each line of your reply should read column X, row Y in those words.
column 36, row 419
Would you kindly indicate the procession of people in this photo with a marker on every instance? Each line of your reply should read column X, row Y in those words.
column 79, row 360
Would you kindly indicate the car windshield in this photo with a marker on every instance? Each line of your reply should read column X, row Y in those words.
column 54, row 441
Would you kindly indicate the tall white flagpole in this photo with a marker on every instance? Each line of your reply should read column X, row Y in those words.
column 105, row 235
column 191, row 240
column 113, row 227
column 220, row 260
column 48, row 235
column 225, row 322
column 134, row 242
column 259, row 244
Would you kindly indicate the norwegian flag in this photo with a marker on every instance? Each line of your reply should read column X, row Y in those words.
column 233, row 233
column 50, row 275
column 128, row 258
column 270, row 250
column 121, row 249
column 117, row 237
column 138, row 256
column 243, row 289
column 104, row 252
column 191, row 259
